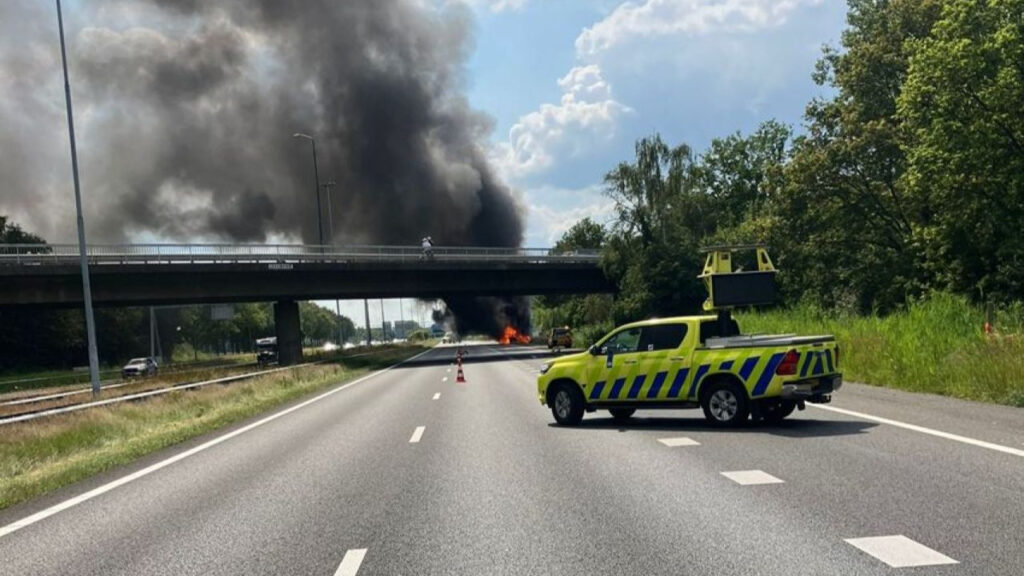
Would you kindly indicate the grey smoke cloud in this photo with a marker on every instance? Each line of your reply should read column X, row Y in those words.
column 185, row 111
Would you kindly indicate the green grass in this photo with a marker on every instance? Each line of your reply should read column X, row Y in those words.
column 36, row 458
column 936, row 346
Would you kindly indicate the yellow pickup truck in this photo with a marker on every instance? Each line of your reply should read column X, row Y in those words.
column 691, row 362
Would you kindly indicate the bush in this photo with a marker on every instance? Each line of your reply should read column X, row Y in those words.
column 418, row 336
column 587, row 336
column 937, row 345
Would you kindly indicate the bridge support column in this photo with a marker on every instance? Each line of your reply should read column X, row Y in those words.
column 289, row 332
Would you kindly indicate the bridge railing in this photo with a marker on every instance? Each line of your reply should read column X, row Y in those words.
column 52, row 254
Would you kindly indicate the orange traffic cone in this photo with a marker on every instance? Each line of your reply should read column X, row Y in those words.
column 460, row 377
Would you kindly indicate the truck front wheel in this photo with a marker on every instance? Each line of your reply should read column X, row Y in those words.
column 725, row 403
column 567, row 405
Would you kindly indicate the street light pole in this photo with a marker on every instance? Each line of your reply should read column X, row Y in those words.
column 90, row 325
column 330, row 235
column 366, row 309
column 401, row 316
column 330, row 210
column 316, row 176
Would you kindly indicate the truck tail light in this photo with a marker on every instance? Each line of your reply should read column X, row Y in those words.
column 788, row 365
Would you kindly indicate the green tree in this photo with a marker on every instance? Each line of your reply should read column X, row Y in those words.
column 963, row 104
column 583, row 235
column 744, row 174
column 11, row 233
column 578, row 310
column 652, row 252
column 321, row 325
column 846, row 235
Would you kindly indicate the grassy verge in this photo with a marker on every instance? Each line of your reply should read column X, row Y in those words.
column 47, row 379
column 937, row 346
column 36, row 458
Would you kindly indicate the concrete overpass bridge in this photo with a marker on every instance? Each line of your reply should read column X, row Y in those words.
column 33, row 275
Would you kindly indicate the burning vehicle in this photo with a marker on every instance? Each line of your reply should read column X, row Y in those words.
column 513, row 336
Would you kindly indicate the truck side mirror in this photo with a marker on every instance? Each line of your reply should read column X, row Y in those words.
column 595, row 351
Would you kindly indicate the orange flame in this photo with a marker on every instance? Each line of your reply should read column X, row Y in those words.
column 511, row 335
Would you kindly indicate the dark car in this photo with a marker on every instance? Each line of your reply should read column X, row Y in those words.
column 140, row 368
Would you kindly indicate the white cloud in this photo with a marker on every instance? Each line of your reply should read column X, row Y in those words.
column 553, row 210
column 587, row 114
column 499, row 5
column 670, row 17
column 496, row 5
column 586, row 81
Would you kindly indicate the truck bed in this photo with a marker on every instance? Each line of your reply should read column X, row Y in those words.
column 756, row 340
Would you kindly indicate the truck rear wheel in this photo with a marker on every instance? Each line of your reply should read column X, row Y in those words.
column 725, row 403
column 567, row 405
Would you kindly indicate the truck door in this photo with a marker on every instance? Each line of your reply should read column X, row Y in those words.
column 618, row 360
column 662, row 364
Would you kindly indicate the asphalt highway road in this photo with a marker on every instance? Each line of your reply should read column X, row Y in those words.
column 408, row 472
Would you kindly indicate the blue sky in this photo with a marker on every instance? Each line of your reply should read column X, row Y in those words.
column 572, row 84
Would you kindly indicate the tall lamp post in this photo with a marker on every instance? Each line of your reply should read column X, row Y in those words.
column 90, row 325
column 316, row 175
column 330, row 209
column 330, row 235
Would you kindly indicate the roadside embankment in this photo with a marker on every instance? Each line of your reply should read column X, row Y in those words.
column 42, row 456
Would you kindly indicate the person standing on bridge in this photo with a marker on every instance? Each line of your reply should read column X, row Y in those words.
column 428, row 245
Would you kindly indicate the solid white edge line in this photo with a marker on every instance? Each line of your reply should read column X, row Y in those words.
column 351, row 562
column 417, row 434
column 923, row 430
column 46, row 513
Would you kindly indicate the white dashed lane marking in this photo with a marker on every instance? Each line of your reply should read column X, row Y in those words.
column 350, row 563
column 437, row 395
column 445, row 379
column 751, row 477
column 417, row 435
column 900, row 551
column 676, row 442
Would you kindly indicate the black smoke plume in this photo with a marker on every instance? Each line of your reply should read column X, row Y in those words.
column 187, row 110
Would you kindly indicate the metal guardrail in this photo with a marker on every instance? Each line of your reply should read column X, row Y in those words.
column 99, row 254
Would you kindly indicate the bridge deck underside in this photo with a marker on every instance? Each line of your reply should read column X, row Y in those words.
column 149, row 284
